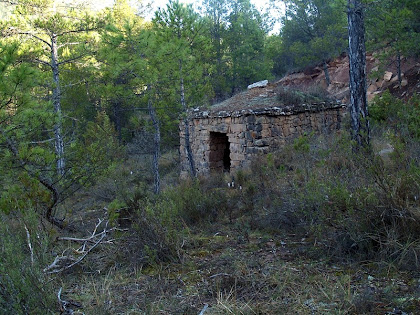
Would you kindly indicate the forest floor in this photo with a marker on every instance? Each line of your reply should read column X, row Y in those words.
column 226, row 268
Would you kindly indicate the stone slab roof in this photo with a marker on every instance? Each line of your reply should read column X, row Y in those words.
column 260, row 101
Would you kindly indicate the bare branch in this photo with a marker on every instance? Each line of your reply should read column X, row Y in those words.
column 81, row 30
column 28, row 239
column 204, row 309
column 73, row 84
column 36, row 37
column 220, row 274
column 41, row 141
column 65, row 262
column 71, row 59
column 65, row 305
column 42, row 62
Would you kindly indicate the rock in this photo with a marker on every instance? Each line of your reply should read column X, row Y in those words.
column 404, row 82
column 372, row 88
column 387, row 75
column 259, row 84
column 261, row 143
column 394, row 79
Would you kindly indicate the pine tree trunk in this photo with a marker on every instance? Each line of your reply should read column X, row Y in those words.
column 56, row 98
column 186, row 124
column 357, row 60
column 55, row 194
column 399, row 68
column 156, row 146
column 116, row 108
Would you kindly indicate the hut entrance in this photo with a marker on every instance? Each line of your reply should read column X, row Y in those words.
column 219, row 152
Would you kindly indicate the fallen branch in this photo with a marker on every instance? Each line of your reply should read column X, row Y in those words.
column 204, row 309
column 220, row 274
column 82, row 240
column 65, row 262
column 65, row 306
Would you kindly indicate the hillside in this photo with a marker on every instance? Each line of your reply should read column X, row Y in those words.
column 379, row 81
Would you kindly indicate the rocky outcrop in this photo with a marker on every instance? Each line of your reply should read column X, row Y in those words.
column 379, row 80
column 260, row 84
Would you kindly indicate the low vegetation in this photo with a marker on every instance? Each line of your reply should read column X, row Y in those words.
column 313, row 228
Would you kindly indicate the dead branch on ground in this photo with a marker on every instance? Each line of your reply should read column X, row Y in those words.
column 66, row 260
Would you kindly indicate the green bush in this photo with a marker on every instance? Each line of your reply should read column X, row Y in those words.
column 24, row 288
column 192, row 203
column 359, row 205
column 403, row 117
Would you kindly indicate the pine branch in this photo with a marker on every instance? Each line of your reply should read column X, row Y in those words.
column 71, row 60
column 36, row 37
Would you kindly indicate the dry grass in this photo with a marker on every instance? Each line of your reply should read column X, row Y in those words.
column 266, row 274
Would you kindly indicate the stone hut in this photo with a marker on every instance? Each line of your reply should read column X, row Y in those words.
column 227, row 136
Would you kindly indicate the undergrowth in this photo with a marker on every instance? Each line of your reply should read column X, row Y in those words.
column 299, row 232
column 24, row 245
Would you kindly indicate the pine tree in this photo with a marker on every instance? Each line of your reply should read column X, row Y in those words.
column 245, row 40
column 393, row 29
column 56, row 40
column 358, row 90
column 181, row 51
column 314, row 32
column 24, row 180
column 216, row 12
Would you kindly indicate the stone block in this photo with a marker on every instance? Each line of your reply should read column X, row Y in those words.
column 237, row 156
column 234, row 147
column 265, row 133
column 387, row 76
column 262, row 150
column 261, row 120
column 250, row 119
column 237, row 128
column 261, row 143
column 235, row 164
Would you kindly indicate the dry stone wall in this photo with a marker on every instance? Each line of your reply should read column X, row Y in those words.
column 230, row 140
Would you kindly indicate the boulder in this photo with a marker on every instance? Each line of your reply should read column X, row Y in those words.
column 259, row 84
column 372, row 88
column 387, row 75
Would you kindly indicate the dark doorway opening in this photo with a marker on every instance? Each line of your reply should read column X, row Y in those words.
column 219, row 152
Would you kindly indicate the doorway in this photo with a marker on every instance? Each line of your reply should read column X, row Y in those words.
column 219, row 152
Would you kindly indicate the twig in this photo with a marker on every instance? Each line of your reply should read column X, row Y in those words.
column 87, row 239
column 28, row 237
column 220, row 274
column 206, row 306
column 64, row 305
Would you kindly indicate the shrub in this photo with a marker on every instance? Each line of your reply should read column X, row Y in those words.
column 360, row 206
column 402, row 117
column 192, row 203
column 146, row 240
column 24, row 289
column 295, row 96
